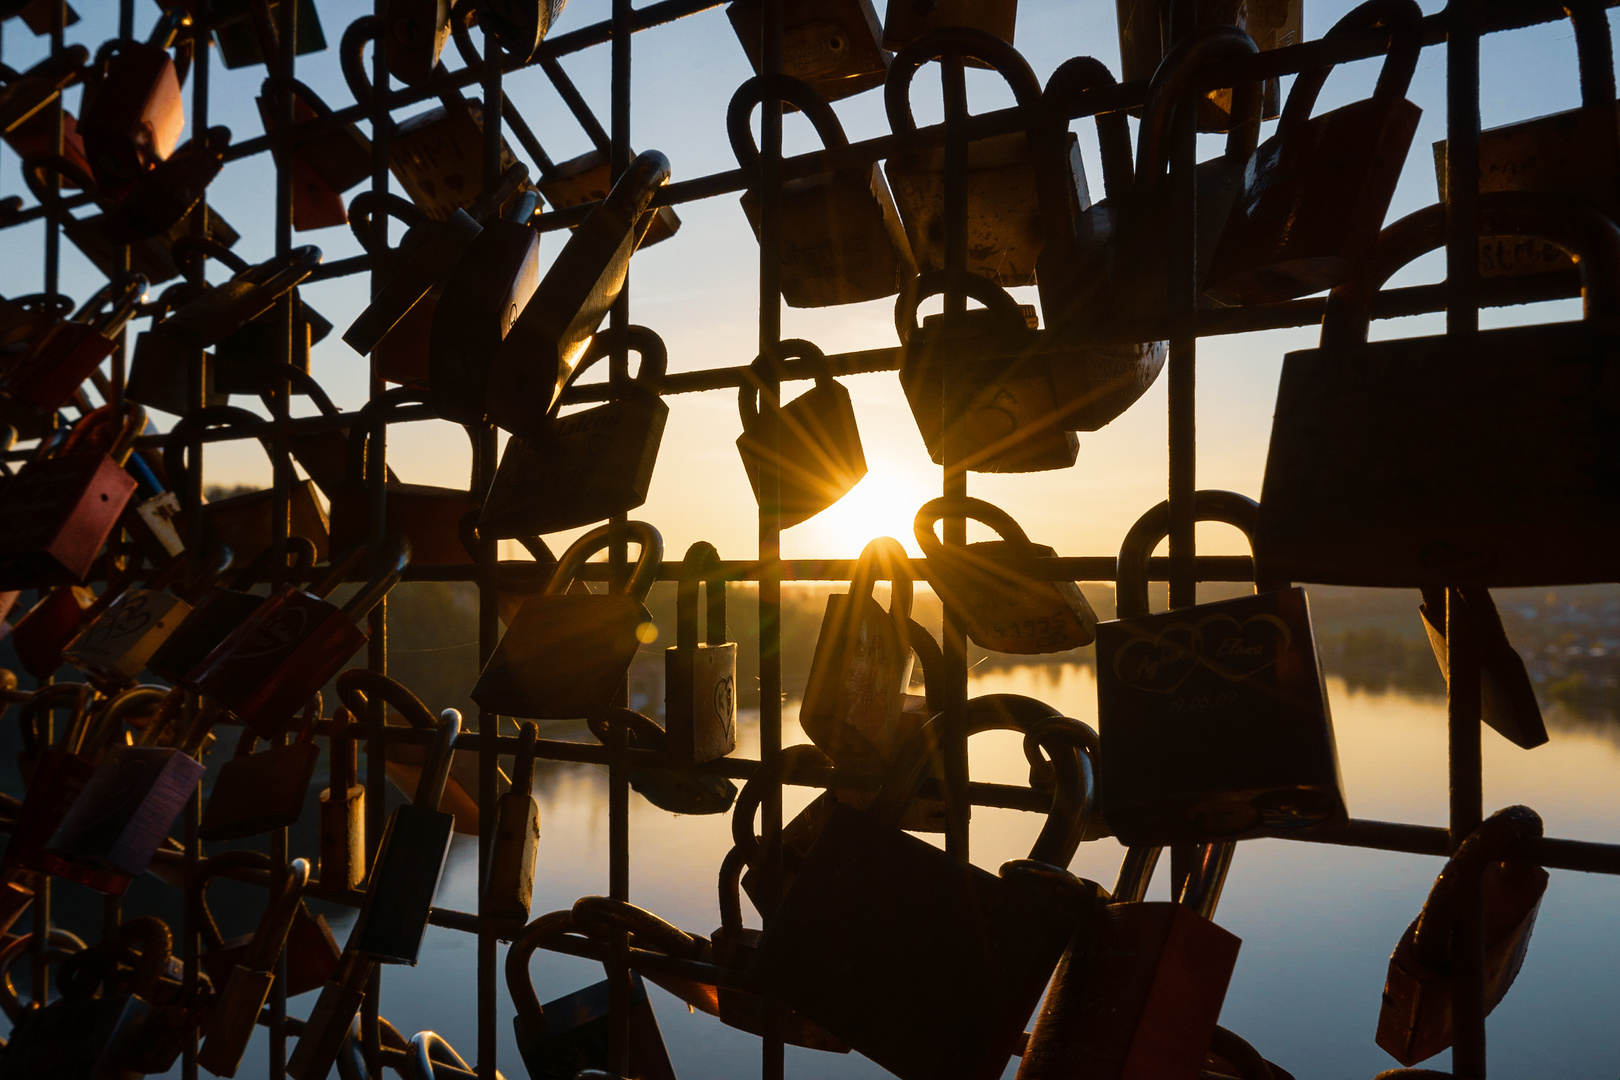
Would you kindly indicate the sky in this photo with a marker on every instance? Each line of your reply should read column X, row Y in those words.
column 699, row 290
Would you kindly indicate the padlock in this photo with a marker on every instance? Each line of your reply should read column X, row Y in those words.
column 133, row 113
column 150, row 519
column 1229, row 1055
column 833, row 45
column 46, row 628
column 920, row 961
column 25, row 319
column 236, row 1014
column 164, row 195
column 1316, row 192
column 1415, row 1021
column 430, row 1057
column 1005, row 609
column 841, row 237
column 1140, row 988
column 343, row 811
column 117, row 823
column 601, row 917
column 292, row 644
column 160, row 368
column 478, row 302
column 1144, row 38
column 252, row 357
column 798, row 835
column 1573, row 155
column 586, row 466
column 519, row 26
column 56, row 513
column 588, row 179
column 154, row 257
column 255, row 793
column 1452, row 479
column 312, row 952
column 983, row 384
column 428, row 516
column 114, row 648
column 1108, row 277
column 809, row 448
column 90, row 1037
column 1003, row 204
column 1234, row 686
column 214, row 315
column 220, row 610
column 243, row 522
column 904, row 21
column 237, row 32
column 700, row 678
column 25, row 94
column 560, row 1038
column 680, row 791
column 565, row 655
column 509, row 881
column 324, row 166
column 424, row 258
column 554, row 329
column 411, row 855
column 1507, row 699
column 61, row 946
column 415, row 33
column 46, row 378
column 862, row 666
column 329, row 1018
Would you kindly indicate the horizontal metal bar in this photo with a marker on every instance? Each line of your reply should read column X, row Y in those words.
column 1554, row 854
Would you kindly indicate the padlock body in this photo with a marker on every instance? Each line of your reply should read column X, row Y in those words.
column 233, row 1020
column 215, row 616
column 54, row 517
column 151, row 523
column 323, row 1034
column 510, row 885
column 858, row 676
column 266, row 670
column 343, row 838
column 1005, row 418
column 1215, row 724
column 312, row 955
column 428, row 516
column 402, row 356
column 260, row 792
column 87, row 1039
column 582, row 468
column 126, row 809
column 116, row 647
column 842, row 238
column 46, row 629
column 415, row 846
column 700, row 702
column 588, row 178
column 576, row 1036
column 1507, row 697
column 1453, row 479
column 152, row 257
column 437, row 157
column 746, row 1012
column 1005, row 610
column 56, row 367
column 925, row 964
column 134, row 118
column 905, row 22
column 1415, row 1021
column 1136, row 997
column 1313, row 201
column 818, row 456
column 245, row 357
column 835, row 47
column 242, row 522
column 59, row 778
column 564, row 657
column 159, row 374
column 1144, row 30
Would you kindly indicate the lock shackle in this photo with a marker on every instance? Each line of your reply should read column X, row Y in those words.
column 104, row 728
column 786, row 88
column 76, row 696
column 60, row 944
column 37, row 167
column 208, row 869
column 1595, row 50
column 1431, row 933
column 428, row 1056
column 151, row 936
column 647, row 562
column 1043, row 759
column 351, row 56
column 175, row 464
column 642, row 341
column 120, row 298
column 931, row 658
column 700, row 567
column 780, row 769
column 1202, row 890
column 938, row 282
column 190, row 251
column 364, row 207
column 1131, row 571
column 301, row 556
column 1073, row 81
column 751, row 394
column 270, row 938
column 436, row 773
column 1591, row 238
column 969, row 44
column 215, row 563
column 554, row 924
column 394, row 556
column 600, row 916
column 884, row 558
column 1135, row 874
column 1403, row 19
column 357, row 686
column 523, row 760
column 641, row 732
column 1237, row 1052
column 181, row 292
column 731, row 872
column 1168, row 92
column 276, row 85
column 936, row 510
column 369, row 423
column 90, row 435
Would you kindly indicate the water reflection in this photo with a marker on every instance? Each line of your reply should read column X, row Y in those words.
column 1318, row 922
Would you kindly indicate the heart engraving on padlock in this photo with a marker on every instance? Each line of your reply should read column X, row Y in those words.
column 274, row 636
column 724, row 696
column 1161, row 664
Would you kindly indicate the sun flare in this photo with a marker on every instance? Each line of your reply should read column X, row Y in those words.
column 882, row 504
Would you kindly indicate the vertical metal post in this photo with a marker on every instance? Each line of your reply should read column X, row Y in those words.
column 1462, row 168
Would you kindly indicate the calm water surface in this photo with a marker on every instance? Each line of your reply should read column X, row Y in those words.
column 1317, row 922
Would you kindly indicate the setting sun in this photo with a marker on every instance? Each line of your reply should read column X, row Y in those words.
column 882, row 504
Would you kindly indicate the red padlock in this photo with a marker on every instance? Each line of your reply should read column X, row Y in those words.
column 61, row 360
column 134, row 114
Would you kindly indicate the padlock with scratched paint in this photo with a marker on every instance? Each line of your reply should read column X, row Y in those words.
column 810, row 447
column 343, row 811
column 324, row 166
column 834, row 45
column 700, row 677
column 585, row 466
column 509, row 882
column 842, row 238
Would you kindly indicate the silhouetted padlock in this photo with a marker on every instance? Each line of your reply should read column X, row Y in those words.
column 1144, row 38
column 841, row 236
column 1004, row 609
column 415, row 33
column 680, row 791
column 1507, row 699
column 566, row 654
column 163, row 195
column 519, row 25
column 585, row 466
column 810, row 446
column 312, row 952
column 834, row 46
column 1415, row 1021
column 115, row 647
column 324, row 166
column 700, row 678
column 904, row 21
column 63, row 358
column 134, row 114
column 509, row 884
column 588, row 179
column 255, row 793
column 343, row 811
column 1214, row 718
